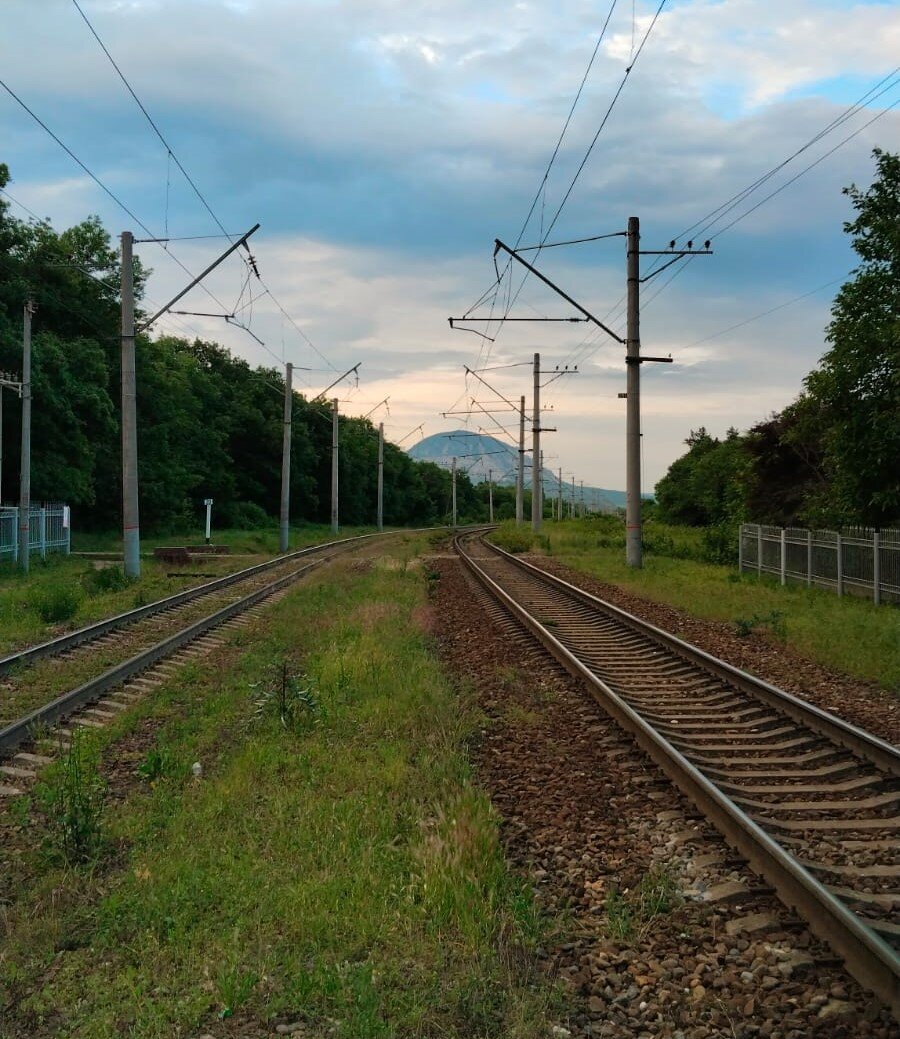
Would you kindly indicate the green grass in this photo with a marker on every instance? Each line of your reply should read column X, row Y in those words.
column 345, row 872
column 263, row 541
column 849, row 634
column 66, row 592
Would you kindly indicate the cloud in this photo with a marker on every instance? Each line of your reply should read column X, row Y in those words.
column 384, row 144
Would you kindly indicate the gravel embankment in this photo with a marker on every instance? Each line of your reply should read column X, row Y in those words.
column 586, row 817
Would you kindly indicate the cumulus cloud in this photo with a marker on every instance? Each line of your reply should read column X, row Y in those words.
column 384, row 144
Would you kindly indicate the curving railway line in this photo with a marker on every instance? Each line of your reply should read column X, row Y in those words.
column 811, row 802
column 37, row 682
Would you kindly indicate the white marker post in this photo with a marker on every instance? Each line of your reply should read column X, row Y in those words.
column 208, row 503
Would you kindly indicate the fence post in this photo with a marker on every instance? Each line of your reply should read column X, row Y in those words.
column 15, row 544
column 783, row 540
column 43, row 530
column 876, row 568
column 809, row 559
column 759, row 544
column 67, row 514
column 840, row 565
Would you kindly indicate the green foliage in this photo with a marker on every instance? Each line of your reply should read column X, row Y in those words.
column 209, row 424
column 702, row 488
column 857, row 383
column 56, row 603
column 286, row 698
column 513, row 538
column 830, row 457
column 774, row 621
column 72, row 795
column 106, row 579
column 656, row 894
column 160, row 763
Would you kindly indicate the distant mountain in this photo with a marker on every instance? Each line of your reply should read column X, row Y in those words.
column 478, row 454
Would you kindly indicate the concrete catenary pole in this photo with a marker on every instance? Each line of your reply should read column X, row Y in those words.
column 520, row 476
column 284, row 515
column 334, row 466
column 572, row 505
column 453, row 491
column 131, row 533
column 536, row 504
column 490, row 496
column 633, row 545
column 25, row 469
column 559, row 495
column 380, row 516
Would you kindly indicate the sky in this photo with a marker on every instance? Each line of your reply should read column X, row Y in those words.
column 383, row 145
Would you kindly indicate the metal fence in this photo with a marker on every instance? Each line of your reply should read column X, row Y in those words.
column 49, row 530
column 856, row 562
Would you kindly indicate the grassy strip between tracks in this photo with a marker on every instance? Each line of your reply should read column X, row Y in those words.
column 849, row 634
column 62, row 593
column 337, row 869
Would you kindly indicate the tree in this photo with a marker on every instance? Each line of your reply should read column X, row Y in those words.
column 857, row 383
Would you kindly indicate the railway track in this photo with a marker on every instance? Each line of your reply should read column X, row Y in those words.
column 812, row 803
column 128, row 654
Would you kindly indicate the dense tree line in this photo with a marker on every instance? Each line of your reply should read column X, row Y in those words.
column 832, row 457
column 209, row 424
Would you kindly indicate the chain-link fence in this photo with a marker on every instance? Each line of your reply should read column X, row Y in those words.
column 49, row 530
column 858, row 561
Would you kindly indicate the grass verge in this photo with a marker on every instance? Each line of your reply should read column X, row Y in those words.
column 333, row 863
column 848, row 634
column 62, row 593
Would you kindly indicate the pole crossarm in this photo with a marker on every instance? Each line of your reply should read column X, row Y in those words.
column 484, row 382
column 676, row 255
column 498, row 245
column 570, row 320
column 340, row 378
column 241, row 241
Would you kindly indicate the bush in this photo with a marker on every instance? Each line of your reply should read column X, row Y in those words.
column 107, row 579
column 513, row 539
column 72, row 797
column 245, row 515
column 56, row 604
column 720, row 544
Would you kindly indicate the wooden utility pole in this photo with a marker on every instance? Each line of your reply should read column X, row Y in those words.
column 334, row 466
column 284, row 516
column 131, row 534
column 380, row 516
column 520, row 476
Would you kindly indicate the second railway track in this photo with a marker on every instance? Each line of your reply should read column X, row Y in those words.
column 46, row 684
column 811, row 802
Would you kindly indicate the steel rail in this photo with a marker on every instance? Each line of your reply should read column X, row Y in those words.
column 873, row 963
column 878, row 751
column 53, row 647
column 22, row 730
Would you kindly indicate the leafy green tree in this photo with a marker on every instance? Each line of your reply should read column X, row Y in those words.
column 857, row 383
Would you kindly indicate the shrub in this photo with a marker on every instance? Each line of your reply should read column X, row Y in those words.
column 56, row 604
column 72, row 796
column 513, row 539
column 107, row 579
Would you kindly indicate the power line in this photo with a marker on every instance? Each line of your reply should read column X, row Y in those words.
column 149, row 118
column 584, row 160
column 196, row 189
